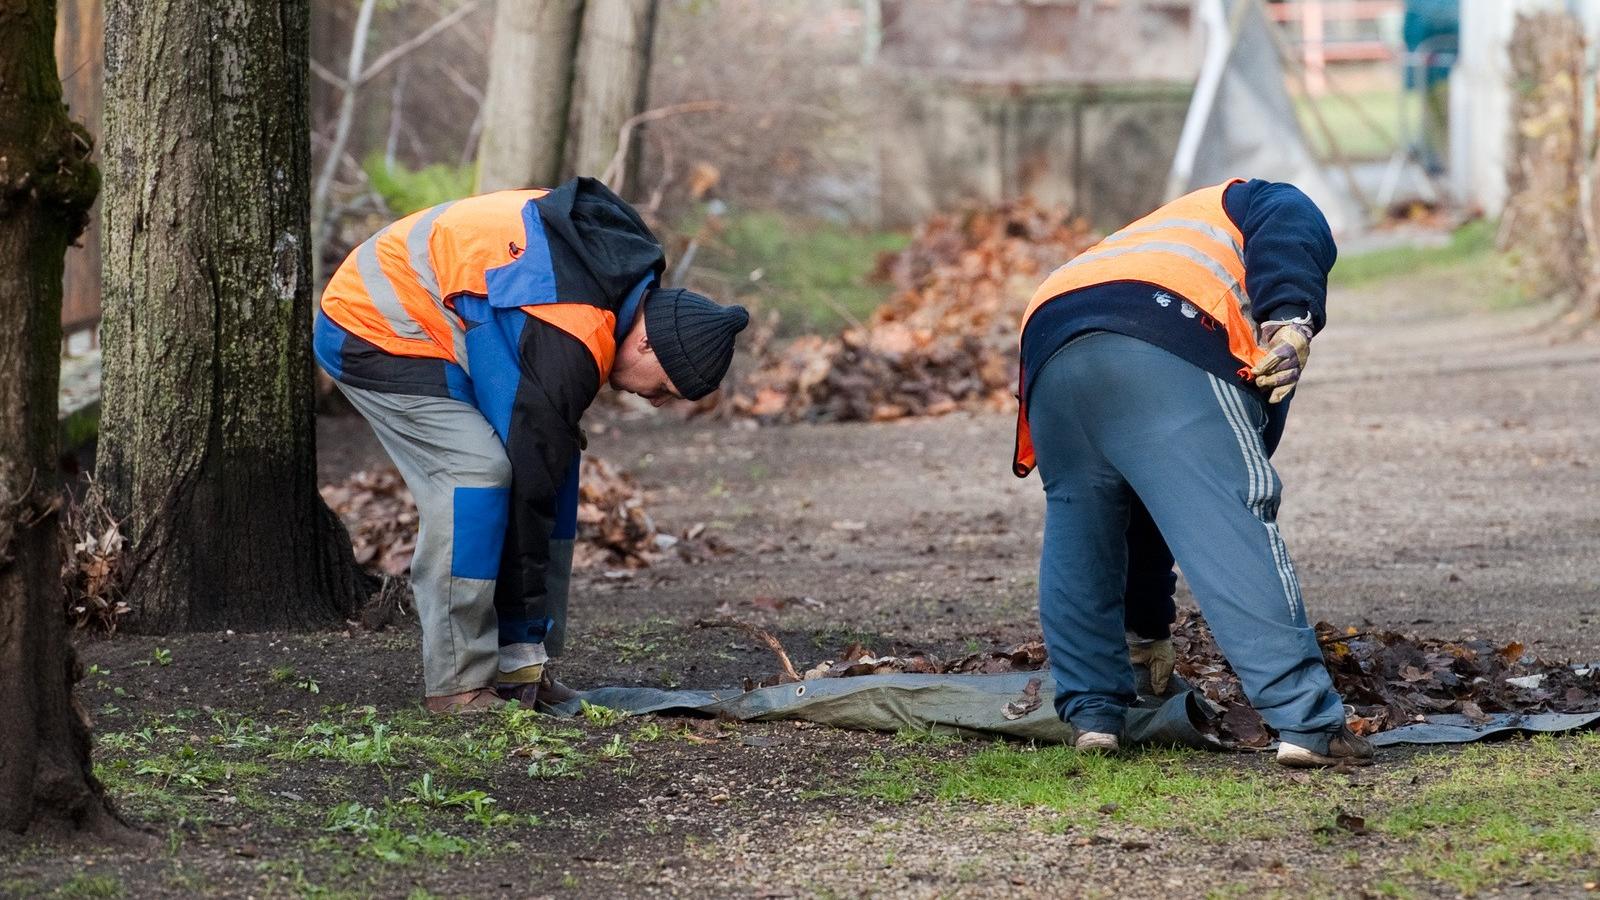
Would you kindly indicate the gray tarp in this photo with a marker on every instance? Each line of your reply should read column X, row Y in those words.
column 984, row 705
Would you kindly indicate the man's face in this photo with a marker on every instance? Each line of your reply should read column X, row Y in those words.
column 638, row 371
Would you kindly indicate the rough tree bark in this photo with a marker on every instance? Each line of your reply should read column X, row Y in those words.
column 530, row 87
column 208, row 442
column 46, row 187
column 609, row 87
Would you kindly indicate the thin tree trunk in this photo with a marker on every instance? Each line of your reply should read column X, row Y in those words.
column 609, row 87
column 208, row 441
column 46, row 187
column 530, row 87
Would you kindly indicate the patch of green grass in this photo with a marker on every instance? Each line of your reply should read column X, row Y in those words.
column 1496, row 813
column 390, row 835
column 1487, row 816
column 1157, row 789
column 1471, row 245
column 84, row 885
column 20, row 887
column 406, row 191
column 814, row 273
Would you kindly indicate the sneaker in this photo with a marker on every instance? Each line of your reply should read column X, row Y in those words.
column 481, row 700
column 1344, row 749
column 1097, row 742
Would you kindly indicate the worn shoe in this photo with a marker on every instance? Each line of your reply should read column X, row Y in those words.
column 525, row 694
column 553, row 692
column 1344, row 749
column 1097, row 742
column 481, row 700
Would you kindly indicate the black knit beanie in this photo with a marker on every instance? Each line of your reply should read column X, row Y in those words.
column 693, row 338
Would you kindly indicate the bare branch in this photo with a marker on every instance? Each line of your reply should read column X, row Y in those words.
column 427, row 34
column 612, row 176
column 326, row 74
column 462, row 83
column 341, row 133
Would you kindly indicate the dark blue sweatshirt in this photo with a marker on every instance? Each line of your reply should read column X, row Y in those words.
column 1288, row 251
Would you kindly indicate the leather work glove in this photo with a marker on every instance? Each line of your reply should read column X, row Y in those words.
column 1288, row 344
column 1157, row 656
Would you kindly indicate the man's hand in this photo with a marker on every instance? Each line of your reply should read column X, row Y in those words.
column 1158, row 657
column 1288, row 344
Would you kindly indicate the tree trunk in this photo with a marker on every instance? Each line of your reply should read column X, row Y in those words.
column 46, row 186
column 530, row 87
column 208, row 441
column 613, row 71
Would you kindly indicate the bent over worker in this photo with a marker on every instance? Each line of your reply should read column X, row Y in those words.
column 1150, row 367
column 472, row 336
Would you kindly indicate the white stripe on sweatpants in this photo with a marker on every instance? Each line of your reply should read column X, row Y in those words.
column 1259, row 471
column 1256, row 452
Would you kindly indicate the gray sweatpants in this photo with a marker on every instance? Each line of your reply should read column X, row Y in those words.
column 455, row 465
column 1113, row 417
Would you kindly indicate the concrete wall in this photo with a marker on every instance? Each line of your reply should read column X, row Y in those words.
column 1074, row 103
column 1101, row 151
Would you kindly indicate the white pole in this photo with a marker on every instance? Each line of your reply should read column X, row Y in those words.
column 1219, row 46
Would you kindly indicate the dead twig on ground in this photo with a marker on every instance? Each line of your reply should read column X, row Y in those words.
column 760, row 634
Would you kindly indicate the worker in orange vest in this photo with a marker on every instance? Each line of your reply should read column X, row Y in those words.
column 472, row 336
column 1156, row 372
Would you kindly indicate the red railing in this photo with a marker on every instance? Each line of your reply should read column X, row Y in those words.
column 1312, row 18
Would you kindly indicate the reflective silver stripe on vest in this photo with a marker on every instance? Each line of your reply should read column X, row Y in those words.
column 422, row 263
column 1176, row 249
column 417, row 248
column 382, row 291
column 1206, row 228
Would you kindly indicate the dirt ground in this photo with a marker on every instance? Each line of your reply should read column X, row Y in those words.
column 1441, row 477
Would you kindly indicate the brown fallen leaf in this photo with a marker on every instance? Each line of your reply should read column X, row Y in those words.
column 1028, row 702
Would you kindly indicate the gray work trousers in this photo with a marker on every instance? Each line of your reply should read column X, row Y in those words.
column 445, row 449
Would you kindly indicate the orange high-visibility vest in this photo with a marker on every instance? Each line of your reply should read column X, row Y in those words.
column 397, row 289
column 1189, row 247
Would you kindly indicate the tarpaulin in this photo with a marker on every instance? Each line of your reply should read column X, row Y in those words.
column 1014, row 705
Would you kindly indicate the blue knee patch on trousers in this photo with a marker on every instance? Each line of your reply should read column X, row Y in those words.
column 480, row 531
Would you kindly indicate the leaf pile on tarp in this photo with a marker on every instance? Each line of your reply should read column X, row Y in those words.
column 945, row 340
column 614, row 530
column 93, row 564
column 1389, row 679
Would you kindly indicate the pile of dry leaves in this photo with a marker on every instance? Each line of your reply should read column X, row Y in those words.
column 1390, row 679
column 614, row 531
column 946, row 339
column 92, row 562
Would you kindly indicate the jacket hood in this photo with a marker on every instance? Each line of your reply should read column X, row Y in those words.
column 598, row 243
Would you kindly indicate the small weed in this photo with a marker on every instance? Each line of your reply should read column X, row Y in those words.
column 280, row 674
column 926, row 736
column 601, row 716
column 387, row 835
column 616, row 749
column 162, row 656
column 650, row 732
column 84, row 885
